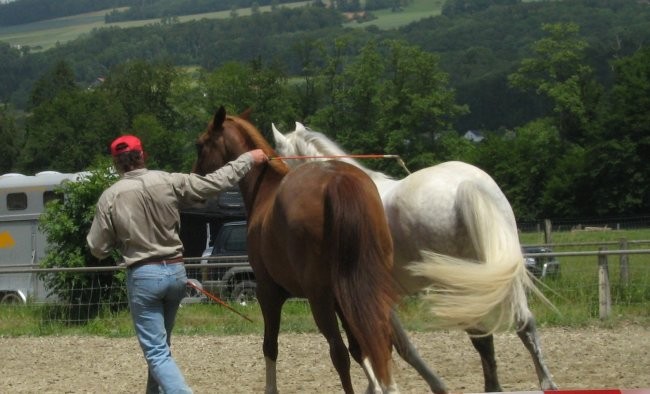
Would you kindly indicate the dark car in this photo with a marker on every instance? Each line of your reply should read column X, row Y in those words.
column 236, row 282
column 538, row 264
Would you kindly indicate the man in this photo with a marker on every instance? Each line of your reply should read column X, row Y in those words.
column 139, row 216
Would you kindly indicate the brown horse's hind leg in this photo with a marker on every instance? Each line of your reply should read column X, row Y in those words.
column 353, row 344
column 374, row 387
column 407, row 351
column 322, row 308
column 271, row 299
column 528, row 335
column 484, row 344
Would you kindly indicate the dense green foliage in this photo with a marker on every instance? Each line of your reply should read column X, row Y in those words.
column 559, row 90
column 66, row 223
column 9, row 135
column 457, row 7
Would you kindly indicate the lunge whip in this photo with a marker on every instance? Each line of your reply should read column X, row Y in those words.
column 217, row 300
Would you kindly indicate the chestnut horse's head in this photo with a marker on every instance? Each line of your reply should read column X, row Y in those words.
column 220, row 143
column 226, row 138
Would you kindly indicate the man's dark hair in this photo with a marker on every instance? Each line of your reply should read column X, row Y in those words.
column 129, row 161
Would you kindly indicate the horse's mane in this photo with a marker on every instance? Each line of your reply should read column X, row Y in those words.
column 256, row 138
column 315, row 143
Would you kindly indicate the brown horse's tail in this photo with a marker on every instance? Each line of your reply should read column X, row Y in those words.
column 361, row 254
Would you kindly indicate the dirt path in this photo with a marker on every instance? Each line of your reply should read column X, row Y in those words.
column 578, row 358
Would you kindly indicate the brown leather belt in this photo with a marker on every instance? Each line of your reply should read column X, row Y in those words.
column 156, row 260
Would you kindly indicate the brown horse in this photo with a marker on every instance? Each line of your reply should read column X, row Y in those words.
column 318, row 232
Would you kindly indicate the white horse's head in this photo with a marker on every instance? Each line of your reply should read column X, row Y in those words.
column 306, row 142
column 303, row 142
column 283, row 145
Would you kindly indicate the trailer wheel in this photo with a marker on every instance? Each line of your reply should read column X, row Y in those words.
column 11, row 298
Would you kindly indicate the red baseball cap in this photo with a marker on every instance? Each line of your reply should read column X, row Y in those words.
column 125, row 143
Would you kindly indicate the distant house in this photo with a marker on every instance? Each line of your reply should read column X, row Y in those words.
column 359, row 16
column 473, row 135
column 96, row 83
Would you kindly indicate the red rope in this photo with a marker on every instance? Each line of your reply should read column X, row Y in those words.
column 216, row 299
column 372, row 156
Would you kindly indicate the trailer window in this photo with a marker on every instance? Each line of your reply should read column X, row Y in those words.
column 16, row 201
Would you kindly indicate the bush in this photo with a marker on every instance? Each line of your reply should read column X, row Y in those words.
column 66, row 223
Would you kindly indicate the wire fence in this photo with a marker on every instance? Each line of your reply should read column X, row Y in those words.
column 612, row 223
column 602, row 282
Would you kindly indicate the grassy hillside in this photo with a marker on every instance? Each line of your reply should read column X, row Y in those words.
column 46, row 34
column 418, row 9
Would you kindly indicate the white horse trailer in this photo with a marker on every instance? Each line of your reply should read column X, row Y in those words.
column 22, row 244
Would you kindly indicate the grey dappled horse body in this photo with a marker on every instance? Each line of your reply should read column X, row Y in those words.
column 455, row 233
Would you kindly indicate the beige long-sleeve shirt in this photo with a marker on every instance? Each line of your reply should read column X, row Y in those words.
column 139, row 214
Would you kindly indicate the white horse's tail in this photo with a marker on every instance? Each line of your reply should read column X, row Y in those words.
column 489, row 294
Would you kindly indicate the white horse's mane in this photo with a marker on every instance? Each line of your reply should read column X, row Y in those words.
column 314, row 143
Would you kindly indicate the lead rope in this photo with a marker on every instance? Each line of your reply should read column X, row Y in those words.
column 369, row 156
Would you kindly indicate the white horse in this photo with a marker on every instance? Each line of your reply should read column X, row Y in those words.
column 454, row 233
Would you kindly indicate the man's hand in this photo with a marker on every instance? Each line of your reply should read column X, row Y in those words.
column 259, row 156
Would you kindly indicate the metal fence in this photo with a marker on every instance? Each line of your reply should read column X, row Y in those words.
column 601, row 280
column 613, row 223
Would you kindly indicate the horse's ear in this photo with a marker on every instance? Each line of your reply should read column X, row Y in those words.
column 279, row 138
column 300, row 126
column 246, row 114
column 219, row 118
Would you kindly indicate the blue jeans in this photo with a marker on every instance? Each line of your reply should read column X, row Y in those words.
column 155, row 292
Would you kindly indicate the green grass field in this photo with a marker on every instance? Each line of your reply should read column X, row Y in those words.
column 574, row 293
column 418, row 9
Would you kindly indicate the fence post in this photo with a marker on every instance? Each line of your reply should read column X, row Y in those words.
column 604, row 294
column 548, row 238
column 624, row 266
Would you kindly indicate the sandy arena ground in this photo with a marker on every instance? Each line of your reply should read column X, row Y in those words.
column 578, row 358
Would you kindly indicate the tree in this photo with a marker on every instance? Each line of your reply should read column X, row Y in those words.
column 456, row 7
column 262, row 88
column 68, row 132
column 58, row 80
column 143, row 87
column 165, row 150
column 190, row 105
column 557, row 71
column 12, row 69
column 618, row 158
column 66, row 223
column 228, row 86
column 521, row 163
column 307, row 92
column 9, row 146
column 417, row 105
column 328, row 82
column 391, row 98
column 354, row 108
